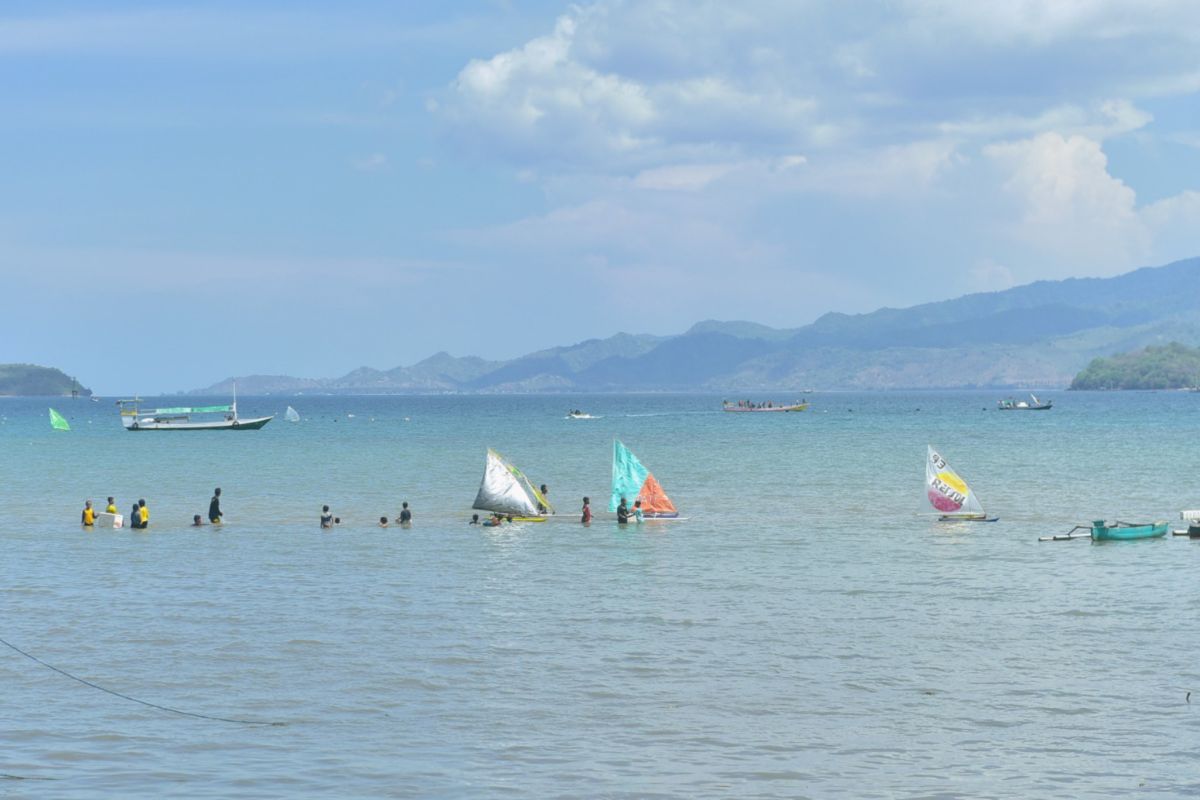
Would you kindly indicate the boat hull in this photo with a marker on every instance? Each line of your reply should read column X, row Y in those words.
column 967, row 518
column 774, row 409
column 1119, row 533
column 216, row 425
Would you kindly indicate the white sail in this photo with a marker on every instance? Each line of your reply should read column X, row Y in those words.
column 946, row 491
column 291, row 415
column 505, row 489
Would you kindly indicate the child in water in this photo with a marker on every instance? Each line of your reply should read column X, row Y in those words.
column 383, row 522
column 197, row 521
column 586, row 519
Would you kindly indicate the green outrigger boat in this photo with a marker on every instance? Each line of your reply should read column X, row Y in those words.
column 1120, row 531
column 1100, row 531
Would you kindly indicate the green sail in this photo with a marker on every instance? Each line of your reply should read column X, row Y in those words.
column 58, row 422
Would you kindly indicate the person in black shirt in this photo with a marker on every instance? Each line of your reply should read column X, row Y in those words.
column 405, row 517
column 214, row 507
column 623, row 512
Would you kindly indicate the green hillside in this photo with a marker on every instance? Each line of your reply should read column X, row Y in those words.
column 30, row 380
column 1172, row 366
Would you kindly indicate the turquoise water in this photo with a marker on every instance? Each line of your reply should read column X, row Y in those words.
column 806, row 632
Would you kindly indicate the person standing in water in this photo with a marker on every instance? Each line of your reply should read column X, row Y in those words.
column 637, row 511
column 214, row 507
column 405, row 517
column 544, row 503
column 326, row 517
column 112, row 506
column 88, row 517
column 586, row 518
column 135, row 517
column 623, row 513
column 144, row 513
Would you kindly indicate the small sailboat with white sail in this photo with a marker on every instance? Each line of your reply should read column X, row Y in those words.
column 949, row 494
column 291, row 415
column 506, row 491
column 632, row 482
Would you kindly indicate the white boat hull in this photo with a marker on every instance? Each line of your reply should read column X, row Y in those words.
column 151, row 424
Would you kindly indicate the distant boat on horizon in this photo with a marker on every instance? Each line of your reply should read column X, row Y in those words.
column 1020, row 405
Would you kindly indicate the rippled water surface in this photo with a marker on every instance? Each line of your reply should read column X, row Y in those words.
column 806, row 632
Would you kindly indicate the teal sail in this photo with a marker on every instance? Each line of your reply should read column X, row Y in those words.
column 628, row 475
column 190, row 410
column 58, row 422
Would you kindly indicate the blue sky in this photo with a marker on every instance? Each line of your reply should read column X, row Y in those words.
column 190, row 191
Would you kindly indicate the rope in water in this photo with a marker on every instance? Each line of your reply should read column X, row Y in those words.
column 114, row 693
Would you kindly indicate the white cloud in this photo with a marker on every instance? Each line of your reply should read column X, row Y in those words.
column 1070, row 205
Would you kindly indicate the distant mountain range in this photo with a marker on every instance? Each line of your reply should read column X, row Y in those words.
column 1037, row 335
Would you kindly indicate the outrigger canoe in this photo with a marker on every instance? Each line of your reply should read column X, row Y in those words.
column 1099, row 531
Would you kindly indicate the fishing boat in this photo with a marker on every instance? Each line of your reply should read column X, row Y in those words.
column 291, row 415
column 631, row 481
column 1033, row 404
column 180, row 418
column 949, row 494
column 577, row 414
column 748, row 407
column 506, row 491
column 1102, row 532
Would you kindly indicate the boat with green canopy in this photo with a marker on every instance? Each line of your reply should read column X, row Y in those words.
column 181, row 418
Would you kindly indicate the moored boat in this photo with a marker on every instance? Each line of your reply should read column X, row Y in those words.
column 1120, row 531
column 180, row 418
column 1192, row 518
column 1033, row 404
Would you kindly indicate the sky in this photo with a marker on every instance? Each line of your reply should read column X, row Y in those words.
column 191, row 191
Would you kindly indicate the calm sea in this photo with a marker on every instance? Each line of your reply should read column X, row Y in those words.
column 806, row 632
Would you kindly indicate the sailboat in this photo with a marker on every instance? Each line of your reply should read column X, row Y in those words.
column 58, row 422
column 949, row 494
column 633, row 482
column 505, row 490
column 291, row 415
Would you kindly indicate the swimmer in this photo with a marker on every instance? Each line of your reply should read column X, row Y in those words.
column 383, row 522
column 197, row 521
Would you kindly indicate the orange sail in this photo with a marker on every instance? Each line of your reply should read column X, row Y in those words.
column 654, row 500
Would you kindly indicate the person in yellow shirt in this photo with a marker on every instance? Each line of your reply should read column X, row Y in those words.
column 144, row 513
column 112, row 507
column 88, row 518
